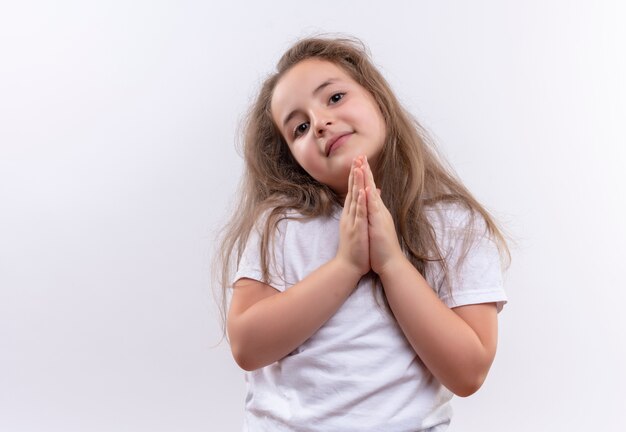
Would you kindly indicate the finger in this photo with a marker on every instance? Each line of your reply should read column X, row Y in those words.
column 361, row 211
column 360, row 187
column 356, row 181
column 361, row 178
column 361, row 182
column 372, row 201
column 369, row 175
column 346, row 204
column 362, row 205
column 359, row 161
column 371, row 185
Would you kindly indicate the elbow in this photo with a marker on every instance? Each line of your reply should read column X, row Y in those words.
column 472, row 375
column 468, row 385
column 246, row 350
column 241, row 355
column 245, row 364
column 467, row 389
column 251, row 359
column 243, row 359
column 247, row 357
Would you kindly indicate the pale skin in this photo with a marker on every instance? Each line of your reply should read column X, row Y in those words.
column 457, row 345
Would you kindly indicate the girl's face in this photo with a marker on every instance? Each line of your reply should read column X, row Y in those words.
column 327, row 119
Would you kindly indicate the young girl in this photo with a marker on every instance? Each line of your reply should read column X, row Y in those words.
column 368, row 278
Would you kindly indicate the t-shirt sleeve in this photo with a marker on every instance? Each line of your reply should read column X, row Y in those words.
column 478, row 277
column 250, row 262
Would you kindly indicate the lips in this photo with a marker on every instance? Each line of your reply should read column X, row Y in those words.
column 335, row 141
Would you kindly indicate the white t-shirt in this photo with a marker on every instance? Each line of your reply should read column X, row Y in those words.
column 358, row 371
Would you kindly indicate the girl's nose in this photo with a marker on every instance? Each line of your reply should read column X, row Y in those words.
column 322, row 129
column 321, row 125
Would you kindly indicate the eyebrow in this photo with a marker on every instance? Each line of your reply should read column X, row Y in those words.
column 318, row 89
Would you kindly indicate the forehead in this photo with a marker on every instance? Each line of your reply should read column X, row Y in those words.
column 301, row 80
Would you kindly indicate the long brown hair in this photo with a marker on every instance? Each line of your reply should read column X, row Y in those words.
column 409, row 171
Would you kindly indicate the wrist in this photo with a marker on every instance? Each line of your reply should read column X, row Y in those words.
column 393, row 266
column 347, row 269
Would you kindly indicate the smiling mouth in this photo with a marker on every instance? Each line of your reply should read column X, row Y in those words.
column 337, row 142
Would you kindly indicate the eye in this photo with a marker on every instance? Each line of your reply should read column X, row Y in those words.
column 336, row 98
column 300, row 129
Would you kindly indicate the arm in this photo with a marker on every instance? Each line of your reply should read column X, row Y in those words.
column 265, row 325
column 456, row 345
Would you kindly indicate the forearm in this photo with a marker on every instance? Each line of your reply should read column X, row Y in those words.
column 275, row 326
column 446, row 344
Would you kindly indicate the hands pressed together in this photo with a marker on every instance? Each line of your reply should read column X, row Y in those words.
column 367, row 235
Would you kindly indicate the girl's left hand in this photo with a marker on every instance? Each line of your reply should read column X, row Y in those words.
column 383, row 239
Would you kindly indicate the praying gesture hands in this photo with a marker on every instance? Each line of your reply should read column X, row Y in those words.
column 367, row 238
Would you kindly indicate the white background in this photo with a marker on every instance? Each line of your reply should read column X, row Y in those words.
column 117, row 165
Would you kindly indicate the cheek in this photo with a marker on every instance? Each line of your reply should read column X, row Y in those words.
column 305, row 155
column 370, row 115
column 378, row 125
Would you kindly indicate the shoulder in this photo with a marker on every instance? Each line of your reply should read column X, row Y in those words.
column 454, row 218
column 289, row 222
column 460, row 232
column 472, row 273
column 271, row 220
column 301, row 221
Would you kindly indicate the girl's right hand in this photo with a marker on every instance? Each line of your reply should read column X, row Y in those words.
column 353, row 226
